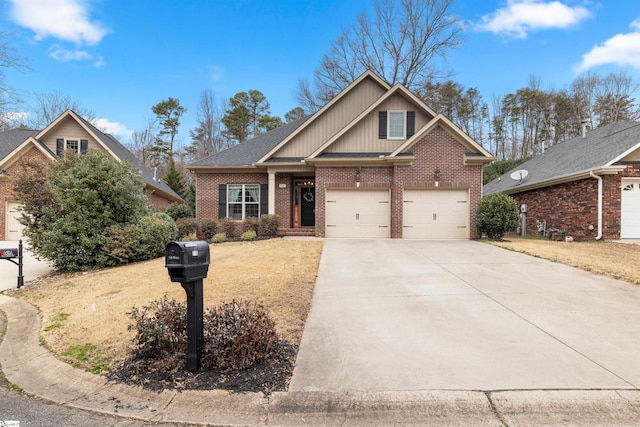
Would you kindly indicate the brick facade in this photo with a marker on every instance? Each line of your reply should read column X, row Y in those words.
column 438, row 149
column 573, row 206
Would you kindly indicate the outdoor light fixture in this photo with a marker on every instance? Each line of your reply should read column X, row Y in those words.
column 437, row 173
column 4, row 172
column 358, row 175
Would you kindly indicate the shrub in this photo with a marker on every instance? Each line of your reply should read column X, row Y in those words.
column 497, row 214
column 187, row 227
column 228, row 227
column 137, row 242
column 251, row 223
column 237, row 335
column 269, row 225
column 248, row 236
column 160, row 333
column 178, row 210
column 219, row 238
column 207, row 228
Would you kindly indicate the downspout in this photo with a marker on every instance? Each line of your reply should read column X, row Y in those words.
column 599, row 178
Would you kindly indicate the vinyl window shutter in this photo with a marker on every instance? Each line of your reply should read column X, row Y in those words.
column 222, row 201
column 411, row 123
column 382, row 125
column 59, row 147
column 264, row 199
column 84, row 146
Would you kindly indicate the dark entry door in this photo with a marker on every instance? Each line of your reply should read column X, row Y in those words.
column 307, row 207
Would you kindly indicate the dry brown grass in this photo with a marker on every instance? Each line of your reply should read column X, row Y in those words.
column 91, row 307
column 617, row 260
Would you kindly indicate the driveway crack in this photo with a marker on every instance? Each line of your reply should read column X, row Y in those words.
column 495, row 410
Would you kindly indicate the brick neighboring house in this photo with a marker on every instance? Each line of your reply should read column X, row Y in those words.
column 588, row 187
column 67, row 133
column 374, row 162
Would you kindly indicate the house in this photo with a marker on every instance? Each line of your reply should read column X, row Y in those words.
column 587, row 187
column 373, row 162
column 69, row 132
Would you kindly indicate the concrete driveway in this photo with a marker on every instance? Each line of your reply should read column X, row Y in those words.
column 31, row 269
column 463, row 315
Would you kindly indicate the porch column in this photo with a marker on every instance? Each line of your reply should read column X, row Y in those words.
column 272, row 193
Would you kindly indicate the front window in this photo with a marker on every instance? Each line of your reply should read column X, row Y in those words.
column 243, row 201
column 396, row 125
column 73, row 145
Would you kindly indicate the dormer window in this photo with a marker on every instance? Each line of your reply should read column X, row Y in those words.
column 396, row 124
column 74, row 145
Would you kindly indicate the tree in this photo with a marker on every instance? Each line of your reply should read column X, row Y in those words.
column 9, row 59
column 248, row 115
column 168, row 113
column 207, row 137
column 294, row 114
column 496, row 214
column 268, row 123
column 70, row 205
column 50, row 105
column 401, row 43
column 499, row 167
column 176, row 181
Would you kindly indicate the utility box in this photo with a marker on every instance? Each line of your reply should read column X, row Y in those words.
column 187, row 261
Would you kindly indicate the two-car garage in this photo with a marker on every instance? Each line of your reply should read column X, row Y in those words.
column 426, row 213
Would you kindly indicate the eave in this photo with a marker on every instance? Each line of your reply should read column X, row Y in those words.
column 223, row 169
column 473, row 160
column 606, row 170
column 384, row 161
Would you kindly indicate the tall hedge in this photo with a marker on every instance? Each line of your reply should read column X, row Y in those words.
column 497, row 214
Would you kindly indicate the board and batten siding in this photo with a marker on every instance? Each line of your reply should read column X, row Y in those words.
column 333, row 120
column 363, row 137
column 69, row 129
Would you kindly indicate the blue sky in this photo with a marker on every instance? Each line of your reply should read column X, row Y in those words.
column 120, row 57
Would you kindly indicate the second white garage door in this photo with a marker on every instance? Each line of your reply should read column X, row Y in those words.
column 436, row 214
column 357, row 213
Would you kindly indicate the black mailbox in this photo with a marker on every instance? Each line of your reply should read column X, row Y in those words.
column 187, row 261
column 8, row 253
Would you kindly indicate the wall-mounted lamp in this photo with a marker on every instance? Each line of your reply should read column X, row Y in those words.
column 358, row 175
column 4, row 172
column 437, row 174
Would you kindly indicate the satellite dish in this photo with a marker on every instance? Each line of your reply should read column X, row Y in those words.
column 519, row 175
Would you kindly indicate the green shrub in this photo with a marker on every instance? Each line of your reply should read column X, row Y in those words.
column 187, row 227
column 238, row 335
column 228, row 227
column 207, row 228
column 248, row 236
column 160, row 340
column 219, row 238
column 178, row 210
column 269, row 225
column 138, row 242
column 497, row 214
column 251, row 223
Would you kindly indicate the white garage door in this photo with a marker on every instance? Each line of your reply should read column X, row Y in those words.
column 357, row 213
column 14, row 228
column 435, row 214
column 630, row 211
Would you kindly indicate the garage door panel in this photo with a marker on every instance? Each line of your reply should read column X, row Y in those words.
column 357, row 213
column 630, row 209
column 435, row 214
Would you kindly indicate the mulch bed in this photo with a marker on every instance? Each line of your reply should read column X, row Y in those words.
column 263, row 377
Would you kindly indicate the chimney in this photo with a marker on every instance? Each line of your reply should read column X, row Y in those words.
column 584, row 122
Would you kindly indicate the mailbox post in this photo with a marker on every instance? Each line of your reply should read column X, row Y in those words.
column 10, row 254
column 188, row 263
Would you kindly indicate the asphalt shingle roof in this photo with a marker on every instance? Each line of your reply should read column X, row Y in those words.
column 11, row 139
column 599, row 148
column 249, row 152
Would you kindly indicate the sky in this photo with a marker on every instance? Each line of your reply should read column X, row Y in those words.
column 118, row 58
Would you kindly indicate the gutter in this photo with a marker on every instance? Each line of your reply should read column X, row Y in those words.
column 599, row 178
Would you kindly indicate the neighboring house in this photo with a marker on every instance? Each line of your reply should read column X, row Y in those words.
column 68, row 133
column 374, row 162
column 587, row 187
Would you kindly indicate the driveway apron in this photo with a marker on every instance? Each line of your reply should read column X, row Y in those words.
column 463, row 315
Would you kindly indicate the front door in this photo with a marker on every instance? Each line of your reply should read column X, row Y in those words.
column 307, row 206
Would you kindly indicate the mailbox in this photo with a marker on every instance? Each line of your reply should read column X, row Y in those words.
column 8, row 253
column 187, row 261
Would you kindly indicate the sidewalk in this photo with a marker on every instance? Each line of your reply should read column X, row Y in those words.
column 30, row 366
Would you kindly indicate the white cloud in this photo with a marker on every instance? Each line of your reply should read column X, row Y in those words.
column 621, row 49
column 114, row 128
column 521, row 16
column 61, row 54
column 66, row 20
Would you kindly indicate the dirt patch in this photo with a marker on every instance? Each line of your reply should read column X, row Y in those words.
column 616, row 260
column 90, row 308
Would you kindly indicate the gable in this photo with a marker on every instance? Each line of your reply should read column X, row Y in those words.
column 68, row 129
column 330, row 121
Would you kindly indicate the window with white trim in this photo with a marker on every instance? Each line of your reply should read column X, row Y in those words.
column 243, row 201
column 396, row 125
column 72, row 145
